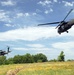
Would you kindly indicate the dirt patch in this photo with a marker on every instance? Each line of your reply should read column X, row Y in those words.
column 14, row 72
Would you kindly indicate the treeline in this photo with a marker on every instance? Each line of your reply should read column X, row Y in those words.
column 27, row 58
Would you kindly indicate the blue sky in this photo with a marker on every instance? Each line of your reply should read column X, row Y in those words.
column 19, row 30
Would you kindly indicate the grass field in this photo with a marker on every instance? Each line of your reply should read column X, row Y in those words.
column 49, row 68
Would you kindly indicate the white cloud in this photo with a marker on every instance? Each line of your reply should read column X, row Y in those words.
column 66, row 3
column 22, row 14
column 67, row 47
column 34, row 13
column 27, row 14
column 38, row 11
column 64, row 45
column 19, row 15
column 29, row 34
column 4, row 16
column 9, row 25
column 55, row 0
column 33, row 33
column 31, row 49
column 35, row 45
column 48, row 11
column 46, row 2
column 8, row 3
column 51, row 10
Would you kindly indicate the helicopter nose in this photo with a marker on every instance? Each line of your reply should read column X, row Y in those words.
column 59, row 31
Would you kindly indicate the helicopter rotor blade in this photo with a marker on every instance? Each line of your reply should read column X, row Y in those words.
column 68, row 14
column 59, row 24
column 64, row 18
column 48, row 23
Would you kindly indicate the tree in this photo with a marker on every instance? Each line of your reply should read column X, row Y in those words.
column 17, row 59
column 61, row 56
column 28, row 58
column 9, row 61
column 2, row 60
column 40, row 58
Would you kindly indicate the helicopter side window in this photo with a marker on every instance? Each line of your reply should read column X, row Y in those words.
column 62, row 26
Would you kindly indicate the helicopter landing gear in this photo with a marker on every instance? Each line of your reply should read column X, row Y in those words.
column 67, row 31
column 60, row 33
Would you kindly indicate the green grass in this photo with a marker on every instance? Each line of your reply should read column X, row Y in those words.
column 48, row 72
column 57, row 68
column 49, row 68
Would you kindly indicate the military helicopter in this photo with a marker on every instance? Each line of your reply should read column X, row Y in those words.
column 63, row 25
column 2, row 53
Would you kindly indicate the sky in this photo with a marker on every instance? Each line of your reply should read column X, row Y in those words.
column 19, row 28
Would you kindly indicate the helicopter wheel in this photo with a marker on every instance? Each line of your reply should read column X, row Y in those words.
column 67, row 31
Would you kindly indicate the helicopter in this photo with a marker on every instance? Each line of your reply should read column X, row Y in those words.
column 2, row 53
column 63, row 26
